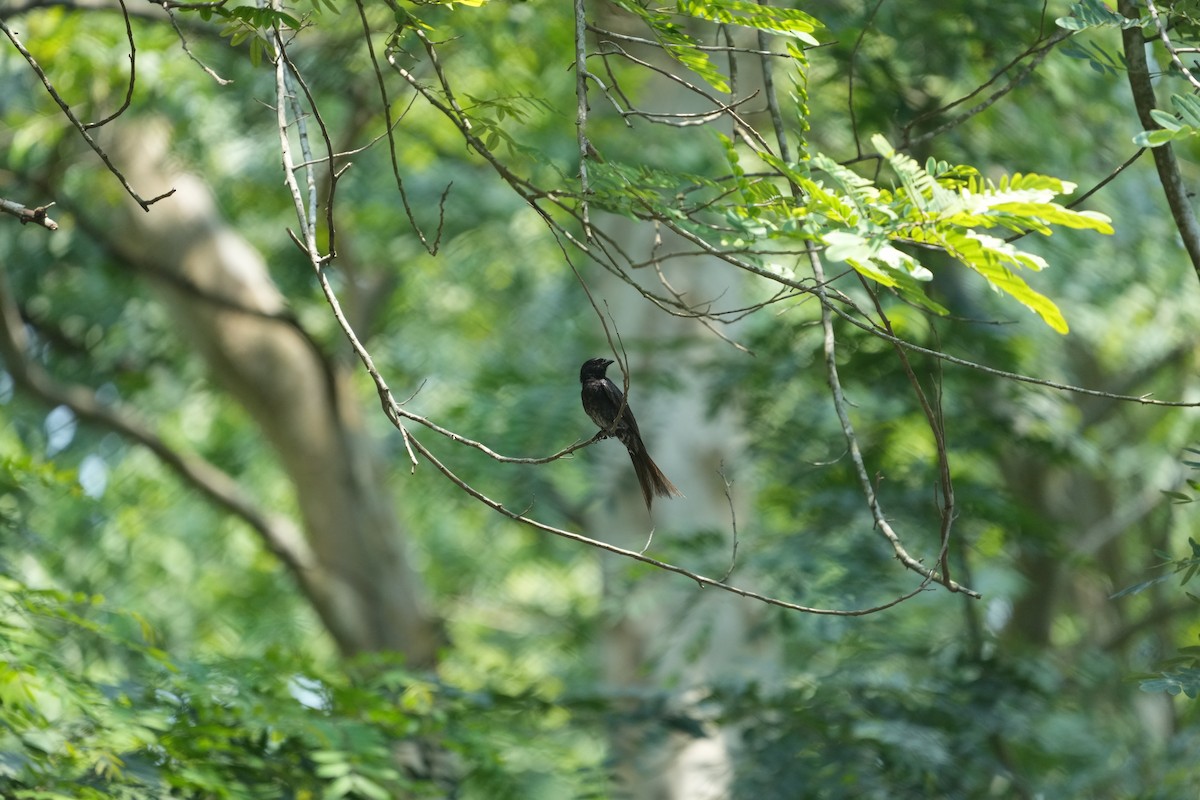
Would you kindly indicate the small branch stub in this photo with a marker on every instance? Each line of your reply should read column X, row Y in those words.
column 26, row 215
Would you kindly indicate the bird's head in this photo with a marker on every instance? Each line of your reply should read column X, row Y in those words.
column 593, row 368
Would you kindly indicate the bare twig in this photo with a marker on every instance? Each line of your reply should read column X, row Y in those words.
column 1144, row 399
column 66, row 109
column 730, row 49
column 701, row 580
column 1036, row 53
column 132, row 73
column 36, row 215
column 184, row 44
column 862, row 35
column 937, row 426
column 431, row 245
column 839, row 404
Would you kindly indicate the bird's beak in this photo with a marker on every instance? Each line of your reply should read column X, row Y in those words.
column 608, row 361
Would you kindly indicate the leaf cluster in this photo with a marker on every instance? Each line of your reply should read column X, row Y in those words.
column 1181, row 673
column 137, row 722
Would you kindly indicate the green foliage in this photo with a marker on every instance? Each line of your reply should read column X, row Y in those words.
column 1184, row 123
column 214, row 686
column 788, row 21
column 876, row 231
column 1107, row 62
column 1095, row 14
column 251, row 23
column 1181, row 673
column 87, row 710
column 951, row 728
column 943, row 209
column 676, row 42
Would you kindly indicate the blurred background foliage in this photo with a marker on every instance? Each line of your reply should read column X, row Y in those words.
column 152, row 647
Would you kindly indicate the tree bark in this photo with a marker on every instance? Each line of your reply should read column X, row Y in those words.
column 221, row 295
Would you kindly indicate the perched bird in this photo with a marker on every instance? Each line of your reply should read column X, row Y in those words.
column 602, row 400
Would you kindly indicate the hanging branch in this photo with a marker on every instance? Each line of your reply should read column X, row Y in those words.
column 70, row 115
column 132, row 73
column 864, row 479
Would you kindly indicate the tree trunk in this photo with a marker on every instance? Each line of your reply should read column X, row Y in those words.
column 221, row 294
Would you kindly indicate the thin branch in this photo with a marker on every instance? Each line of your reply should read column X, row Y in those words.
column 308, row 245
column 768, row 76
column 1169, row 45
column 937, row 426
column 132, row 73
column 839, row 404
column 1039, row 51
column 732, row 521
column 707, row 48
column 701, row 580
column 36, row 215
column 431, row 246
column 66, row 109
column 721, row 108
column 1107, row 179
column 1144, row 399
column 183, row 44
column 862, row 34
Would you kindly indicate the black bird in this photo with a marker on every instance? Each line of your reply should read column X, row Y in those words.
column 602, row 400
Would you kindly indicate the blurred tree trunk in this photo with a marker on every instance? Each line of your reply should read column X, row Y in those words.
column 669, row 633
column 665, row 632
column 227, row 308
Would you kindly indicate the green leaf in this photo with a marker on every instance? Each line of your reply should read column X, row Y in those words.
column 1188, row 107
column 787, row 21
column 1154, row 138
column 339, row 788
column 848, row 246
column 677, row 43
column 1105, row 62
column 1166, row 119
column 1138, row 587
column 1184, row 121
column 371, row 789
column 991, row 258
column 1094, row 14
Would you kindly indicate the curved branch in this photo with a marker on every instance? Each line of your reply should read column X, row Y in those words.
column 702, row 580
column 79, row 126
column 860, row 469
column 936, row 421
column 132, row 73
